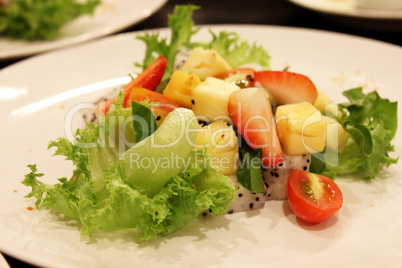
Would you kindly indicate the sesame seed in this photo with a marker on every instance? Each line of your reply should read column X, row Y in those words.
column 251, row 205
column 193, row 102
column 158, row 118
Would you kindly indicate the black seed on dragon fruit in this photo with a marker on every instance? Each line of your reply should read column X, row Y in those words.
column 181, row 57
column 276, row 179
column 245, row 200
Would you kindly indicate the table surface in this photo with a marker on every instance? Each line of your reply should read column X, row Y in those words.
column 267, row 12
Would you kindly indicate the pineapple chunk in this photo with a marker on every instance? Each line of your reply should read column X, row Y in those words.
column 325, row 103
column 301, row 128
column 336, row 135
column 211, row 97
column 180, row 87
column 219, row 141
column 205, row 63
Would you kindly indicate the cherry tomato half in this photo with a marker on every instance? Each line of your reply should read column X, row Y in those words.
column 312, row 197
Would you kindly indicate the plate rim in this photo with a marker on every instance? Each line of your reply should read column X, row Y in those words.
column 77, row 39
column 125, row 35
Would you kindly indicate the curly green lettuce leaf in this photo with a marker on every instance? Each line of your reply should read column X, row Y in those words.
column 108, row 191
column 229, row 45
column 39, row 19
column 181, row 25
column 371, row 122
column 235, row 51
column 122, row 206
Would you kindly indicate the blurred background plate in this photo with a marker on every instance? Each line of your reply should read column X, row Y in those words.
column 110, row 17
column 345, row 12
column 347, row 8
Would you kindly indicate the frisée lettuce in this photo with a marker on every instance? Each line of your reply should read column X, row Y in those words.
column 41, row 20
column 371, row 122
column 229, row 45
column 110, row 190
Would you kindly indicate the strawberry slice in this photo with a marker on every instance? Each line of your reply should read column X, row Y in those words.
column 287, row 87
column 150, row 78
column 251, row 112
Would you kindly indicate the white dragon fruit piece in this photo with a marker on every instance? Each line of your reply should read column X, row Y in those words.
column 245, row 200
column 181, row 57
column 276, row 179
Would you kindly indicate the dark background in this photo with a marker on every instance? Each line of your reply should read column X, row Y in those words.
column 266, row 12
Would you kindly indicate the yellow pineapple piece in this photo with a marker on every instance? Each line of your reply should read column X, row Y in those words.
column 301, row 128
column 325, row 103
column 205, row 63
column 210, row 99
column 180, row 87
column 219, row 141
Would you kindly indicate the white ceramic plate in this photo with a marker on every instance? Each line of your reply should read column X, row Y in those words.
column 36, row 95
column 348, row 8
column 110, row 17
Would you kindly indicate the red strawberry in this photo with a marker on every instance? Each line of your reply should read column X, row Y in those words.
column 150, row 78
column 287, row 87
column 251, row 112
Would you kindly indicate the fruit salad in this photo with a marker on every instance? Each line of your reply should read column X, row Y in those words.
column 199, row 132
